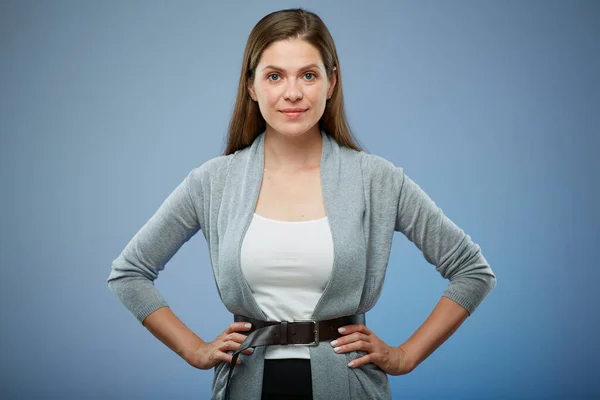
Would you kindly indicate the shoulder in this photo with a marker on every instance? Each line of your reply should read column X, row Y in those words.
column 212, row 175
column 214, row 168
column 375, row 167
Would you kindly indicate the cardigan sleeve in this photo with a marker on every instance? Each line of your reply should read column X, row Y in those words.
column 445, row 245
column 133, row 272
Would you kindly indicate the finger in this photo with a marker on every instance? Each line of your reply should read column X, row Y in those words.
column 235, row 337
column 360, row 361
column 348, row 329
column 226, row 357
column 353, row 337
column 228, row 345
column 216, row 356
column 238, row 327
column 359, row 345
column 233, row 346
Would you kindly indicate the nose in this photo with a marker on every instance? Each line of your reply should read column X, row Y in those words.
column 293, row 91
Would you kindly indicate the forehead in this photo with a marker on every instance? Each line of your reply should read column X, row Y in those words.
column 290, row 55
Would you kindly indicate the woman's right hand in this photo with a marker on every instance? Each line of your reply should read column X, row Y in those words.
column 209, row 354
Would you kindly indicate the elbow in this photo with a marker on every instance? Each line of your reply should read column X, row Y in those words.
column 125, row 268
column 115, row 283
column 486, row 279
column 486, row 274
column 491, row 281
column 476, row 277
column 472, row 266
column 112, row 284
column 124, row 274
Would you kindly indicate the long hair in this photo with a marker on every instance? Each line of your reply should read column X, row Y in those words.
column 247, row 122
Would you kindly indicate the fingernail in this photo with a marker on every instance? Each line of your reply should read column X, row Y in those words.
column 248, row 325
column 251, row 349
column 337, row 349
column 351, row 363
column 342, row 330
column 333, row 343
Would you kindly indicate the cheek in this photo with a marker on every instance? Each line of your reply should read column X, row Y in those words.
column 271, row 95
column 318, row 98
column 318, row 93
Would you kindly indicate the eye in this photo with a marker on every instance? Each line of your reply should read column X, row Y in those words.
column 273, row 80
column 310, row 74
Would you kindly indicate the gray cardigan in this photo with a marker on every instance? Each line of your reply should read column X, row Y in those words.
column 366, row 199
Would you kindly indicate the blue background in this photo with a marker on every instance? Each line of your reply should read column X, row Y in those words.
column 491, row 107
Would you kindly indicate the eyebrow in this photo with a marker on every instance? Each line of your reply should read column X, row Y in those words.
column 309, row 66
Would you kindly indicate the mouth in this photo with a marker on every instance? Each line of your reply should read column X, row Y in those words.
column 293, row 113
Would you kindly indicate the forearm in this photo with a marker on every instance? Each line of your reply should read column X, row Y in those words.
column 443, row 321
column 170, row 330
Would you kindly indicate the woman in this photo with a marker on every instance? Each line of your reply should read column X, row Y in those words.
column 299, row 223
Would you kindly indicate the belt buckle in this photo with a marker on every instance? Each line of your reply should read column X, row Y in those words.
column 315, row 331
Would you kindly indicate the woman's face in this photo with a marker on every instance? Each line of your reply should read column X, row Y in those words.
column 291, row 87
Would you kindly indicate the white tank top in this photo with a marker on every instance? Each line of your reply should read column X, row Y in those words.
column 287, row 266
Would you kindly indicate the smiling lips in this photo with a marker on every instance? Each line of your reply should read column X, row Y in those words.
column 293, row 113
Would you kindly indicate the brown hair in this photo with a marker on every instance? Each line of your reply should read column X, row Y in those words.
column 247, row 122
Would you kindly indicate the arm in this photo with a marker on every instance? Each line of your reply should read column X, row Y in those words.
column 443, row 244
column 456, row 257
column 441, row 324
column 444, row 320
column 169, row 329
column 135, row 269
column 172, row 332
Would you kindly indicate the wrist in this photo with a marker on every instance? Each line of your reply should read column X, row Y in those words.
column 410, row 361
column 190, row 352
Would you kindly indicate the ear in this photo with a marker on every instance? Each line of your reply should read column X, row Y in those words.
column 332, row 83
column 251, row 91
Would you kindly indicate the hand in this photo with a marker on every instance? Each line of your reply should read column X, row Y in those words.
column 209, row 354
column 392, row 360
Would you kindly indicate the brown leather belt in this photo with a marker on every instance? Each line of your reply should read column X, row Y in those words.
column 299, row 332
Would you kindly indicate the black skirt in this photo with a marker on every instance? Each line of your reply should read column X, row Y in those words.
column 287, row 378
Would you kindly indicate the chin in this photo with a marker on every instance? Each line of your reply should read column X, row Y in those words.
column 291, row 132
column 292, row 129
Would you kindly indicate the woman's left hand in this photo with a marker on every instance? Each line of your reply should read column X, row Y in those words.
column 392, row 360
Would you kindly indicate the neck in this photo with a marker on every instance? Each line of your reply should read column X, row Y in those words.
column 290, row 154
